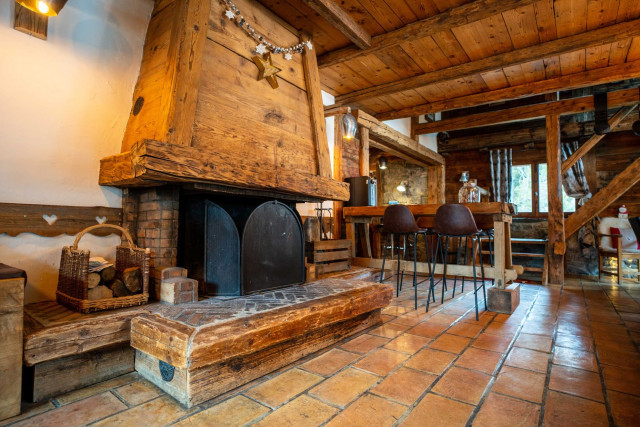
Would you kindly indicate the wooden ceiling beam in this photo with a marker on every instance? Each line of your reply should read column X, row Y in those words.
column 461, row 15
column 589, row 144
column 625, row 71
column 566, row 106
column 603, row 198
column 342, row 21
column 598, row 37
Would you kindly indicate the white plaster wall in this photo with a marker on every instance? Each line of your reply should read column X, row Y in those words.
column 64, row 104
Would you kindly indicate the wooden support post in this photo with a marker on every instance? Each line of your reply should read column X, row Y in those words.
column 337, row 175
column 314, row 95
column 556, row 214
column 364, row 151
column 11, row 303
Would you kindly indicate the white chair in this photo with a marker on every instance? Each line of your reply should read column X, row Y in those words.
column 626, row 247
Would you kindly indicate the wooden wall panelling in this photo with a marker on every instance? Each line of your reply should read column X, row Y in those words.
column 16, row 218
column 314, row 95
column 164, row 100
column 32, row 23
column 556, row 216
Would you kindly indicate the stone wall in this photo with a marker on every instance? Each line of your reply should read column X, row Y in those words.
column 397, row 171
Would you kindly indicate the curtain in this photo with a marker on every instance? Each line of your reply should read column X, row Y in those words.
column 501, row 174
column 573, row 181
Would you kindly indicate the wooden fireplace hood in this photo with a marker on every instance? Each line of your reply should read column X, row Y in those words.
column 199, row 115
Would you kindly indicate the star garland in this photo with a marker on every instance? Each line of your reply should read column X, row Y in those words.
column 233, row 13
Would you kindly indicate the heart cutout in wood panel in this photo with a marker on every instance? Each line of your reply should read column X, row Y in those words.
column 51, row 219
column 101, row 219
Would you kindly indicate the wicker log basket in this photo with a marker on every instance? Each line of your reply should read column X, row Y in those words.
column 74, row 269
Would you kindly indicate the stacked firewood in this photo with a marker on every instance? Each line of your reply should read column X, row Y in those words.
column 106, row 283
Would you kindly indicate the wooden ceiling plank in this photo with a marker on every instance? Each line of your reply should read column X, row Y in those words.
column 597, row 57
column 455, row 17
column 575, row 81
column 555, row 47
column 567, row 106
column 342, row 21
column 634, row 50
column 591, row 142
column 619, row 50
column 573, row 62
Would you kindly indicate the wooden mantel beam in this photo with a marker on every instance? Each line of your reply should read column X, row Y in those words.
column 591, row 142
column 461, row 15
column 342, row 21
column 603, row 198
column 605, row 75
column 566, row 106
column 598, row 37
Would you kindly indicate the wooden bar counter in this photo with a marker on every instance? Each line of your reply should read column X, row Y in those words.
column 487, row 215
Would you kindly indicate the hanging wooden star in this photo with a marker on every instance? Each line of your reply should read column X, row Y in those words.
column 267, row 69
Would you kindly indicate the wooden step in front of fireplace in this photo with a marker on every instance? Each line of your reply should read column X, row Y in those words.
column 205, row 349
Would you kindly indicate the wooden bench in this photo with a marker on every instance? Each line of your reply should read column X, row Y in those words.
column 65, row 350
column 216, row 345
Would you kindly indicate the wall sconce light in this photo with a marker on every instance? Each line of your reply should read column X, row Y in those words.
column 349, row 125
column 402, row 187
column 44, row 7
column 382, row 162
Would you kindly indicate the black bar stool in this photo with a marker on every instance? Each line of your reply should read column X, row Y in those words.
column 456, row 221
column 399, row 221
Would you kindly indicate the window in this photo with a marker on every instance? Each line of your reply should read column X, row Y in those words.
column 529, row 190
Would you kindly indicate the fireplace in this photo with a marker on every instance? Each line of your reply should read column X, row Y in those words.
column 236, row 245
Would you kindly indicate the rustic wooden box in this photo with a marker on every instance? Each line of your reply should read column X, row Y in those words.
column 329, row 255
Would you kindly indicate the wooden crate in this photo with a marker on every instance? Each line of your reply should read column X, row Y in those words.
column 329, row 255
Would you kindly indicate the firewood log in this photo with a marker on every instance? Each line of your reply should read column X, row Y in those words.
column 119, row 289
column 93, row 280
column 108, row 274
column 132, row 279
column 100, row 292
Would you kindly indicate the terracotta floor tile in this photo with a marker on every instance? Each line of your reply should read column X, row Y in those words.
column 575, row 358
column 236, row 411
column 444, row 319
column 479, row 360
column 432, row 361
column 275, row 391
column 407, row 343
column 538, row 329
column 389, row 330
column 410, row 319
column 625, row 409
column 364, row 343
column 303, row 411
column 429, row 330
column 394, row 310
column 574, row 341
column 450, row 343
column 437, row 411
column 503, row 411
column 381, row 361
column 138, row 392
column 625, row 359
column 369, row 411
column 484, row 318
column 344, row 387
column 534, row 342
column 330, row 362
column 506, row 329
column 527, row 359
column 97, row 388
column 405, row 385
column 626, row 380
column 492, row 342
column 157, row 412
column 78, row 413
column 520, row 383
column 577, row 382
column 573, row 329
column 565, row 410
column 468, row 330
column 462, row 384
